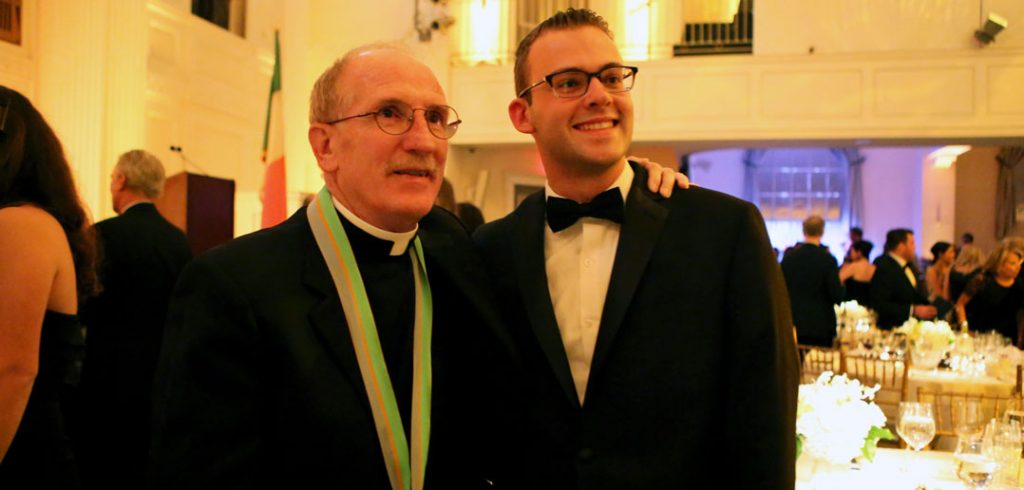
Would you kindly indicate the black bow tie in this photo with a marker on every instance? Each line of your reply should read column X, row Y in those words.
column 562, row 213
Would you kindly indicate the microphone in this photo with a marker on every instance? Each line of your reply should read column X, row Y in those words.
column 186, row 161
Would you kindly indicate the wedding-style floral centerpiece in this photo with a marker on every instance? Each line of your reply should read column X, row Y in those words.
column 938, row 332
column 837, row 420
column 850, row 313
column 929, row 341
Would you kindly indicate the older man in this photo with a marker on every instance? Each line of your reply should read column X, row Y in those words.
column 317, row 353
column 143, row 254
column 656, row 332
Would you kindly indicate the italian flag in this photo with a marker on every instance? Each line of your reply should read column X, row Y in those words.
column 272, row 194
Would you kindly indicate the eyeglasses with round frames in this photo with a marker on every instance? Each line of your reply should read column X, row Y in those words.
column 574, row 83
column 397, row 119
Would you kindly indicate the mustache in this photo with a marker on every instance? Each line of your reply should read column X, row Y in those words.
column 422, row 163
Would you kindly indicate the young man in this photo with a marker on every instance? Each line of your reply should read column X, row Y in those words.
column 656, row 332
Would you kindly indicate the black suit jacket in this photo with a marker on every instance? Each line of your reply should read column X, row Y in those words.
column 259, row 386
column 892, row 294
column 142, row 256
column 812, row 278
column 694, row 362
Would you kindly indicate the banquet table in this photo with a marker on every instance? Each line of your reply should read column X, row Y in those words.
column 935, row 470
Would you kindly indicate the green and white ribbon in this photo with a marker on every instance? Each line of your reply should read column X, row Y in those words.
column 405, row 468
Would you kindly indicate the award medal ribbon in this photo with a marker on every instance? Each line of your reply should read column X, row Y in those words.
column 406, row 466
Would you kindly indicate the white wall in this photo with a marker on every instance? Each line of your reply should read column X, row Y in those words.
column 892, row 192
column 858, row 26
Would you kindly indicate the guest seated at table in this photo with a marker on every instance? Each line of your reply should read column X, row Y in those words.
column 857, row 271
column 967, row 265
column 991, row 301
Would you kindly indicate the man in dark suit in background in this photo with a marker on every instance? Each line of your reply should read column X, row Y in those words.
column 895, row 294
column 812, row 278
column 316, row 354
column 142, row 256
column 654, row 347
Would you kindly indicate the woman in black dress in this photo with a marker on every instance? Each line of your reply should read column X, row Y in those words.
column 992, row 299
column 967, row 265
column 857, row 272
column 47, row 256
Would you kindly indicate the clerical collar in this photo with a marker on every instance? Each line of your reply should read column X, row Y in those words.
column 400, row 241
column 624, row 182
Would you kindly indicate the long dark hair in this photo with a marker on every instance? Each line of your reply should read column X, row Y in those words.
column 33, row 170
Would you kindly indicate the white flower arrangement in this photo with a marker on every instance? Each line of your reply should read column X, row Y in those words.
column 837, row 419
column 850, row 313
column 939, row 333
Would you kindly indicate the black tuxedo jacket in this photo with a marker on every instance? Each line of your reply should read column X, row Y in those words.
column 812, row 278
column 142, row 256
column 892, row 294
column 259, row 386
column 694, row 364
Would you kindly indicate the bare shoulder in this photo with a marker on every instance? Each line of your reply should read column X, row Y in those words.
column 29, row 224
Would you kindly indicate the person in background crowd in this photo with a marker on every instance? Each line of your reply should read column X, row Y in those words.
column 446, row 197
column 992, row 300
column 937, row 277
column 47, row 267
column 967, row 264
column 470, row 215
column 967, row 239
column 142, row 255
column 856, row 273
column 856, row 235
column 812, row 280
column 655, row 330
column 895, row 294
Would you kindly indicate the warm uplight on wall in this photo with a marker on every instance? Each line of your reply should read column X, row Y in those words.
column 636, row 15
column 945, row 156
column 483, row 33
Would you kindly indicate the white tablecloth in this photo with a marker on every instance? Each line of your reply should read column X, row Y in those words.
column 934, row 469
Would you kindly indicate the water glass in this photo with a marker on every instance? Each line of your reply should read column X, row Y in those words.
column 1003, row 443
column 974, row 466
column 916, row 424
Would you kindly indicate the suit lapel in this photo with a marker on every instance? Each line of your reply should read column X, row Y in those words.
column 533, row 284
column 641, row 226
column 327, row 316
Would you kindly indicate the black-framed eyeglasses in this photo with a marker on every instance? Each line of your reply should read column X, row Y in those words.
column 397, row 119
column 574, row 83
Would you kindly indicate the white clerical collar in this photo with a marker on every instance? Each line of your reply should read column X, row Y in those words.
column 624, row 183
column 400, row 241
column 899, row 260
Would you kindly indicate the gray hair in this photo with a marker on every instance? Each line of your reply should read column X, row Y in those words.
column 143, row 172
column 324, row 101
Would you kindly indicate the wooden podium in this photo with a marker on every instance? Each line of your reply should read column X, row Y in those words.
column 203, row 207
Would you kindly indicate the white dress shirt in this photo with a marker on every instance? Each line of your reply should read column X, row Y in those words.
column 579, row 261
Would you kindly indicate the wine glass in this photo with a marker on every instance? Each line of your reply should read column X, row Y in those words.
column 968, row 418
column 974, row 466
column 916, row 424
column 1002, row 442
